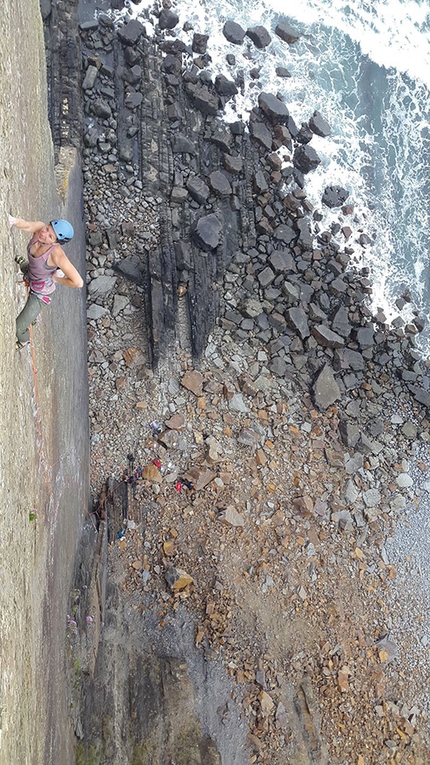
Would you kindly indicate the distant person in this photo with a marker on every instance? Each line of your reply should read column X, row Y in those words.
column 45, row 259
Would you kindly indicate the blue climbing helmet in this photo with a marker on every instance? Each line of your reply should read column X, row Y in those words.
column 63, row 230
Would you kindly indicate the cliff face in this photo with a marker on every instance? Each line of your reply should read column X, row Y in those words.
column 43, row 413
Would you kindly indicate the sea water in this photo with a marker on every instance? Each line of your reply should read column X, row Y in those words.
column 366, row 67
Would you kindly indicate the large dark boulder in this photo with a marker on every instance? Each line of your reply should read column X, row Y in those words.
column 284, row 233
column 305, row 134
column 286, row 32
column 261, row 134
column 168, row 19
column 101, row 108
column 334, row 196
column 222, row 137
column 259, row 36
column 206, row 232
column 233, row 165
column 273, row 108
column 219, row 184
column 305, row 234
column 182, row 145
column 203, row 99
column 326, row 337
column 306, row 159
column 340, row 323
column 225, row 87
column 200, row 43
column 233, row 32
column 198, row 190
column 326, row 389
column 297, row 319
column 319, row 125
column 131, row 33
column 172, row 64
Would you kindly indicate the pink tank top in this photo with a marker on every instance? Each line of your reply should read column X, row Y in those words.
column 39, row 273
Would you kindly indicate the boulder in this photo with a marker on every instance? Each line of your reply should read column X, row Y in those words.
column 260, row 183
column 177, row 578
column 225, row 87
column 278, row 366
column 297, row 319
column 193, row 381
column 219, row 184
column 198, row 190
column 101, row 286
column 305, row 134
column 130, row 268
column 334, row 196
column 261, row 134
column 346, row 358
column 206, row 232
column 168, row 19
column 233, row 32
column 131, row 33
column 349, row 433
column 319, row 125
column 182, row 145
column 274, row 108
column 266, row 277
column 101, row 108
column 233, row 165
column 96, row 312
column 326, row 337
column 203, row 99
column 326, row 390
column 284, row 233
column 251, row 308
column 222, row 137
column 200, row 43
column 365, row 337
column 281, row 261
column 420, row 395
column 281, row 71
column 286, row 32
column 199, row 477
column 340, row 323
column 306, row 159
column 231, row 517
column 172, row 65
column 133, row 99
column 259, row 36
column 90, row 78
column 178, row 194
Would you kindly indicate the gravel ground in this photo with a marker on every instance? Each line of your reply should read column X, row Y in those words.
column 282, row 587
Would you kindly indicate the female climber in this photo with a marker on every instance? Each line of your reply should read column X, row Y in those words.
column 45, row 259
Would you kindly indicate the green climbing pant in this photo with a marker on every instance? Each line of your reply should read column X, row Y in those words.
column 28, row 315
